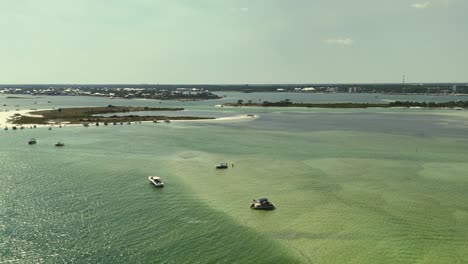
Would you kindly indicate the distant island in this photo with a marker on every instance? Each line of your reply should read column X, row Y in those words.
column 85, row 115
column 289, row 103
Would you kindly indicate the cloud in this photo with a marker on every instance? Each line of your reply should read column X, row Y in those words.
column 421, row 5
column 340, row 41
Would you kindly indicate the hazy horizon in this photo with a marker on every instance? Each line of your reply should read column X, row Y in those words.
column 229, row 42
column 233, row 84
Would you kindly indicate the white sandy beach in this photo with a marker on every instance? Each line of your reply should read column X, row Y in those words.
column 222, row 119
column 4, row 116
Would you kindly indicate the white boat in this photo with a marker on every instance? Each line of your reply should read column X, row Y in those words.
column 222, row 165
column 156, row 181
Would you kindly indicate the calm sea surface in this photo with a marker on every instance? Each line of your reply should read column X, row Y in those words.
column 350, row 185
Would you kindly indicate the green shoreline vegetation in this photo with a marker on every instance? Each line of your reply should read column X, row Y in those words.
column 289, row 103
column 22, row 97
column 84, row 115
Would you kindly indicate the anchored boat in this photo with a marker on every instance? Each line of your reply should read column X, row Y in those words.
column 262, row 204
column 222, row 165
column 156, row 181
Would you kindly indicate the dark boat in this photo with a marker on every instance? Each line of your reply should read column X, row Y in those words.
column 32, row 141
column 222, row 165
column 262, row 204
column 59, row 144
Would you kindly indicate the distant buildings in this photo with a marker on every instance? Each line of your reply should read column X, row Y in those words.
column 200, row 92
column 122, row 92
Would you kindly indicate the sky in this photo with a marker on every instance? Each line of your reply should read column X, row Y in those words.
column 232, row 41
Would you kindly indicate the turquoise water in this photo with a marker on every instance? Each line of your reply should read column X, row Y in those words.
column 351, row 186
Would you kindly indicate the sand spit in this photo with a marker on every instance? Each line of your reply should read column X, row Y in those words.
column 4, row 116
column 222, row 119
